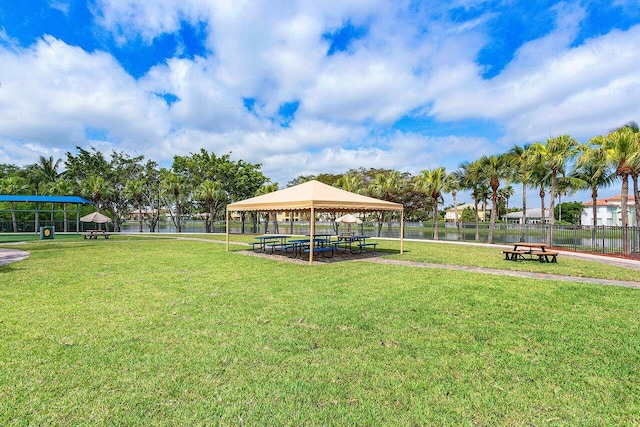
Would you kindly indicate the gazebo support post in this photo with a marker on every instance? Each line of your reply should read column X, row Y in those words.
column 312, row 233
column 402, row 231
column 227, row 229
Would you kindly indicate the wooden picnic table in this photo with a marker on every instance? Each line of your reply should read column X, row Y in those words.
column 93, row 234
column 530, row 251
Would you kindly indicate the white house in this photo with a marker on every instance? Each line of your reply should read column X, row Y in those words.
column 609, row 211
column 532, row 216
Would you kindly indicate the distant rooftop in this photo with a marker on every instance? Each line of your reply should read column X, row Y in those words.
column 611, row 201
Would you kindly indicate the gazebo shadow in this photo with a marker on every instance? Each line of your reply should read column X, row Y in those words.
column 337, row 257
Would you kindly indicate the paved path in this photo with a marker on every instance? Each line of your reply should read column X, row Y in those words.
column 512, row 273
column 8, row 256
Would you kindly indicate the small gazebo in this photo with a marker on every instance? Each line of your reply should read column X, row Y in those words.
column 313, row 197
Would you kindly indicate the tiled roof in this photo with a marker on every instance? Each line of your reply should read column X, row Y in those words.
column 611, row 201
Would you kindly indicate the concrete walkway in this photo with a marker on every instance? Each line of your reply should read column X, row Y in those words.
column 7, row 256
column 511, row 273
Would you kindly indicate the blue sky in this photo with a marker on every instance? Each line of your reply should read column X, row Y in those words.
column 305, row 87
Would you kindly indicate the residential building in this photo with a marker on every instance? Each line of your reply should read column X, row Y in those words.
column 609, row 211
column 450, row 214
column 532, row 216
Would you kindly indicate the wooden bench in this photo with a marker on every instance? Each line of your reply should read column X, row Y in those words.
column 512, row 255
column 546, row 256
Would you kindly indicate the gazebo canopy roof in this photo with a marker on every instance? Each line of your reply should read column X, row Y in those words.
column 313, row 194
column 45, row 199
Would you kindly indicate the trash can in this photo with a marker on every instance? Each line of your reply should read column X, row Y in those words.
column 47, row 232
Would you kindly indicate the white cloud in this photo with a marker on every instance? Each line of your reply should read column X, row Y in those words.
column 55, row 96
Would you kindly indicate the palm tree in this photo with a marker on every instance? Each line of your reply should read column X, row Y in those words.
column 620, row 150
column 96, row 188
column 13, row 185
column 212, row 193
column 634, row 161
column 505, row 194
column 554, row 155
column 452, row 185
column 48, row 168
column 517, row 157
column 432, row 182
column 386, row 185
column 134, row 190
column 493, row 168
column 593, row 169
column 266, row 189
column 176, row 186
column 351, row 182
column 471, row 179
column 63, row 187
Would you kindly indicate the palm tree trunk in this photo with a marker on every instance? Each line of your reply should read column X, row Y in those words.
column 13, row 217
column 65, row 226
column 552, row 215
column 435, row 221
column 455, row 214
column 389, row 217
column 624, row 208
column 140, row 214
column 494, row 208
column 523, row 221
column 594, row 211
column 475, row 202
column 636, row 195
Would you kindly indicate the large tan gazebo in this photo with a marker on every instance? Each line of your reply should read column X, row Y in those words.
column 314, row 196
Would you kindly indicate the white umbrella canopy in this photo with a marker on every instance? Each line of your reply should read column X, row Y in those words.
column 96, row 217
column 348, row 219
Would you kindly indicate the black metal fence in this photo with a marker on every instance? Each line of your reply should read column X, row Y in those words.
column 607, row 240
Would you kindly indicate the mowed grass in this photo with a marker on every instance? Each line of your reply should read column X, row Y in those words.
column 168, row 332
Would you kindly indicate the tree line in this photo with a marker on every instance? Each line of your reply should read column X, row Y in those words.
column 204, row 183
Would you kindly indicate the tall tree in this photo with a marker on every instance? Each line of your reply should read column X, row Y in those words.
column 595, row 171
column 266, row 189
column 177, row 189
column 13, row 185
column 134, row 190
column 504, row 194
column 517, row 157
column 472, row 179
column 386, row 186
column 620, row 150
column 212, row 193
column 432, row 182
column 63, row 187
column 452, row 185
column 555, row 154
column 493, row 168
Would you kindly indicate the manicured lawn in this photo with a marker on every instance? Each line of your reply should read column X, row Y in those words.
column 138, row 331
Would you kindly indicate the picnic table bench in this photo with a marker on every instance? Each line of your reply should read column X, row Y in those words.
column 322, row 249
column 263, row 241
column 93, row 234
column 530, row 251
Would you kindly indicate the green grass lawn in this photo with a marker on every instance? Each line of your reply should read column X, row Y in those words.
column 141, row 331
